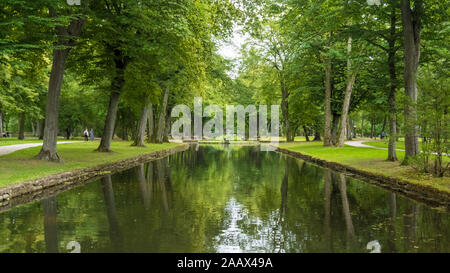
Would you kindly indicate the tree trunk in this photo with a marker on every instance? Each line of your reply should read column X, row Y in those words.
column 327, row 141
column 105, row 143
column 348, row 94
column 392, row 153
column 150, row 123
column 306, row 133
column 48, row 151
column 411, row 21
column 41, row 128
column 162, row 117
column 349, row 129
column 33, row 128
column 140, row 136
column 362, row 126
column 317, row 135
column 117, row 83
column 1, row 124
column 167, row 129
column 22, row 126
column 38, row 128
column 372, row 122
column 334, row 129
column 285, row 111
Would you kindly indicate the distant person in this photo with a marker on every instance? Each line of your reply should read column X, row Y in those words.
column 383, row 134
column 86, row 134
column 8, row 134
column 91, row 134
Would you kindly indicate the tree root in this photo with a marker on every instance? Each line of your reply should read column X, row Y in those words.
column 47, row 155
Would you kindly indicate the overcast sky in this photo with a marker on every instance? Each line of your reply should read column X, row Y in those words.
column 231, row 49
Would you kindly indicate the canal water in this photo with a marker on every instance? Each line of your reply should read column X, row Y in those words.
column 225, row 199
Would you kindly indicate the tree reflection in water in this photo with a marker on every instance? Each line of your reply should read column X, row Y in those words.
column 226, row 199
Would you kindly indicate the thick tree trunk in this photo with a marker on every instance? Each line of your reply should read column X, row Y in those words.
column 105, row 143
column 411, row 21
column 327, row 141
column 334, row 129
column 48, row 151
column 140, row 136
column 117, row 83
column 162, row 117
column 348, row 94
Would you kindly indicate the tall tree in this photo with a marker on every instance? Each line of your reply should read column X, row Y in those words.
column 66, row 39
column 412, row 26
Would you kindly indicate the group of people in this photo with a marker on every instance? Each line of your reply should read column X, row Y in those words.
column 6, row 134
column 88, row 134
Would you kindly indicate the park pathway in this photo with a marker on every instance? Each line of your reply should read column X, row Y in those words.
column 359, row 144
column 4, row 150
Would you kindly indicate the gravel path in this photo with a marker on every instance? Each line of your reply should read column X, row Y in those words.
column 359, row 144
column 4, row 150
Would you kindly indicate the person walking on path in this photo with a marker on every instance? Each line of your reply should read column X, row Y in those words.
column 91, row 134
column 86, row 134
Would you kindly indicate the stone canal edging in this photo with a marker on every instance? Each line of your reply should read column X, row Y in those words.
column 36, row 189
column 429, row 195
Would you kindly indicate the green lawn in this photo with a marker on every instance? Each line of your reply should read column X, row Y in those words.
column 5, row 141
column 384, row 144
column 20, row 166
column 368, row 159
column 13, row 141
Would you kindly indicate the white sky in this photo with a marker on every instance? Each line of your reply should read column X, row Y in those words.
column 231, row 49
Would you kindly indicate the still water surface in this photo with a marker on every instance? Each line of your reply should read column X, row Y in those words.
column 225, row 199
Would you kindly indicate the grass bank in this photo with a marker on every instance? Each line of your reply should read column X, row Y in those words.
column 20, row 166
column 369, row 160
